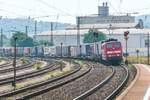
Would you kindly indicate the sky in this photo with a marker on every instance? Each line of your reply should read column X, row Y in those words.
column 66, row 10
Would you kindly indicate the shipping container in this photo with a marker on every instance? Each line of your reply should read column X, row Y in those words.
column 52, row 51
column 27, row 51
column 74, row 51
column 62, row 51
column 40, row 51
column 83, row 50
column 46, row 51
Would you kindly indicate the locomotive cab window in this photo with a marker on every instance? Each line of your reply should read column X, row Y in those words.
column 117, row 45
column 109, row 45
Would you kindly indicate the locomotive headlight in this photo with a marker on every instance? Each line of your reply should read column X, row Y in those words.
column 118, row 54
column 109, row 55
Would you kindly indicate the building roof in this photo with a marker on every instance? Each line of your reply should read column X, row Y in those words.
column 106, row 31
column 104, row 26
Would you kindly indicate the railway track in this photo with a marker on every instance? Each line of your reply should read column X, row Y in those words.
column 7, row 63
column 49, row 84
column 79, row 86
column 46, row 69
column 25, row 68
column 109, row 87
column 106, row 89
column 8, row 67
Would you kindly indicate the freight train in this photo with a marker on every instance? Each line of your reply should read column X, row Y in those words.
column 108, row 50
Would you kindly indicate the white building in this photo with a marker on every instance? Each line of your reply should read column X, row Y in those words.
column 137, row 37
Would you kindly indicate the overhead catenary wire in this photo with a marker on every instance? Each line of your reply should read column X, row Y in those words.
column 53, row 7
column 11, row 12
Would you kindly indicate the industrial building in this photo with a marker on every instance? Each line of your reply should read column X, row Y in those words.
column 112, row 26
column 103, row 20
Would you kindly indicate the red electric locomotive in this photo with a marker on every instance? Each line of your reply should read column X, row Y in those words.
column 111, row 51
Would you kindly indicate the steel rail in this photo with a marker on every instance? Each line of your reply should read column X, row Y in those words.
column 120, row 87
column 95, row 88
column 8, row 94
column 30, row 95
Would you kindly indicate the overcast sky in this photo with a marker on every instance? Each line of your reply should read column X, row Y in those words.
column 66, row 10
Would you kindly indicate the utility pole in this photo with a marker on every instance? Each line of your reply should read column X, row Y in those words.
column 14, row 64
column 61, row 49
column 80, row 51
column 148, row 49
column 35, row 30
column 26, row 30
column 78, row 31
column 1, row 37
column 61, row 44
column 51, row 33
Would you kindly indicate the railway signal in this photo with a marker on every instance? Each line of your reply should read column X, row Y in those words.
column 95, row 35
column 137, row 51
column 126, row 33
column 80, row 51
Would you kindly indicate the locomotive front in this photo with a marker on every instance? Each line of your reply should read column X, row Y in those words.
column 112, row 51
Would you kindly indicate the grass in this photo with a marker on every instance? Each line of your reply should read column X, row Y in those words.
column 135, row 59
column 24, row 60
column 38, row 65
column 82, row 64
column 51, row 74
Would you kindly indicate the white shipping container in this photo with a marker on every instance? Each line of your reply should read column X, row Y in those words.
column 52, row 51
column 46, row 51
column 83, row 50
column 74, row 51
column 58, row 51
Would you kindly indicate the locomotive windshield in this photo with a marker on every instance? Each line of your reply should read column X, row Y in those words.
column 109, row 45
column 117, row 45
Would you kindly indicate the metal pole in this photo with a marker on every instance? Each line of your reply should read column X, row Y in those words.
column 80, row 51
column 1, row 37
column 78, row 31
column 61, row 56
column 138, row 57
column 97, row 50
column 61, row 48
column 14, row 64
column 96, row 44
column 35, row 30
column 148, row 49
column 26, row 30
column 51, row 33
column 126, row 61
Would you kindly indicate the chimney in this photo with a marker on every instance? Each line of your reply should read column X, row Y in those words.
column 106, row 4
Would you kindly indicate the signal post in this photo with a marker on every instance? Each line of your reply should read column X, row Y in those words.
column 126, row 33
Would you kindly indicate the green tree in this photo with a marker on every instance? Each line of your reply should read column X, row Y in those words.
column 90, row 38
column 22, row 40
